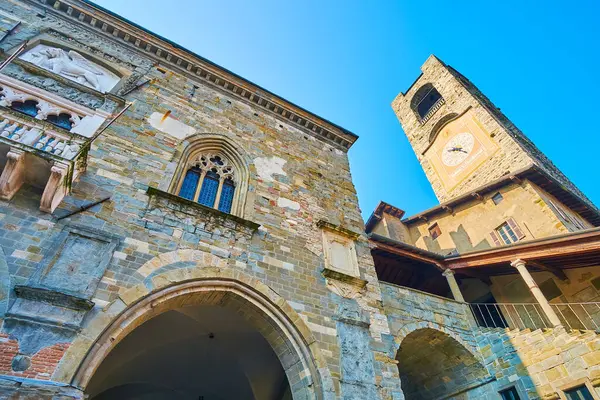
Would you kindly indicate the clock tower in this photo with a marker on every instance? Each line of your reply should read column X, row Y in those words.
column 461, row 139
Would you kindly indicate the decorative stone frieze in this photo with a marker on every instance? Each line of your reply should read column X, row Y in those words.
column 85, row 121
column 200, row 68
column 71, row 65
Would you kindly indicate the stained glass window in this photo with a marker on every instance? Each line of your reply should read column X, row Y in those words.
column 208, row 192
column 63, row 120
column 226, row 199
column 28, row 107
column 190, row 182
column 216, row 178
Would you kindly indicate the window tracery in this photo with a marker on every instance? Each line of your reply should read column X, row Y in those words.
column 210, row 180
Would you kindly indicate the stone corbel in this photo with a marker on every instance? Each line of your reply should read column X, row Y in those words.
column 13, row 175
column 56, row 188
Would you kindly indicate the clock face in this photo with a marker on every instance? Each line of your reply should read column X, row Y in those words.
column 457, row 149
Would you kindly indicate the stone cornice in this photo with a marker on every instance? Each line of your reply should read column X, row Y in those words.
column 170, row 54
column 338, row 228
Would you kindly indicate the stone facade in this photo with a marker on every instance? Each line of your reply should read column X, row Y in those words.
column 109, row 141
column 148, row 239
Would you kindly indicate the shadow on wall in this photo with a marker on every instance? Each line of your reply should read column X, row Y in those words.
column 461, row 240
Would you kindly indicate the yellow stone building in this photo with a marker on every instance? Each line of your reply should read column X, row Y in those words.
column 513, row 239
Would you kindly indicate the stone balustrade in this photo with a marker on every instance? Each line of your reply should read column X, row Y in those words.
column 35, row 136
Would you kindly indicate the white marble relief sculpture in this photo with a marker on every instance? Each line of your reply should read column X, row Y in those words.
column 71, row 65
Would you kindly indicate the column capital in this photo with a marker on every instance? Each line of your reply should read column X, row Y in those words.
column 448, row 272
column 518, row 263
column 14, row 153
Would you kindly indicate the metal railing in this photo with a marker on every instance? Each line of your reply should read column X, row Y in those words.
column 582, row 316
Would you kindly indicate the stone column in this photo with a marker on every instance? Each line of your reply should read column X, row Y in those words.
column 13, row 175
column 521, row 266
column 219, row 190
column 449, row 274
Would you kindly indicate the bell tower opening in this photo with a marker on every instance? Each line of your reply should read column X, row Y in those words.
column 204, row 351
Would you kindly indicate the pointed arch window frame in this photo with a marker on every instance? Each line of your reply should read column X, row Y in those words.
column 215, row 145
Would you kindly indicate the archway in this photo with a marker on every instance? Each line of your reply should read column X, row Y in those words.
column 433, row 365
column 207, row 339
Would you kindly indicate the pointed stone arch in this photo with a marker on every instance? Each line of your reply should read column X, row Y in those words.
column 291, row 338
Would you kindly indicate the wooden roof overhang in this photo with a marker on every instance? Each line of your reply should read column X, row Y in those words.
column 377, row 215
column 406, row 265
column 554, row 254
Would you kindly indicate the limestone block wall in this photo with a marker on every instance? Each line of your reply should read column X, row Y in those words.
column 294, row 180
column 435, row 348
column 544, row 362
column 468, row 227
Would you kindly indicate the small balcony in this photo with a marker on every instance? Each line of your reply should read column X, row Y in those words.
column 43, row 141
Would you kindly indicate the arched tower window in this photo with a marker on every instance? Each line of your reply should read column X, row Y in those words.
column 212, row 173
column 28, row 107
column 426, row 102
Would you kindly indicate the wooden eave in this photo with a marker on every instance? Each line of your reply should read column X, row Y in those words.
column 405, row 250
column 377, row 215
column 576, row 249
column 555, row 253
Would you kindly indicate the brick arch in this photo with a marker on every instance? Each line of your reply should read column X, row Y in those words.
column 292, row 340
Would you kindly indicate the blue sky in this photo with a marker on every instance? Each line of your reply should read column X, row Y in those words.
column 347, row 60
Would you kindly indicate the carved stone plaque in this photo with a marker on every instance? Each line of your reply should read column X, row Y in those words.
column 77, row 262
column 340, row 253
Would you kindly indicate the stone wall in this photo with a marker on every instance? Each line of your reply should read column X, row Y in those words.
column 295, row 179
column 540, row 364
column 545, row 362
column 516, row 150
column 468, row 226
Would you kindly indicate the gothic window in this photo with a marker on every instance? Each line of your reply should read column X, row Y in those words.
column 210, row 180
column 28, row 107
column 426, row 102
column 62, row 120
